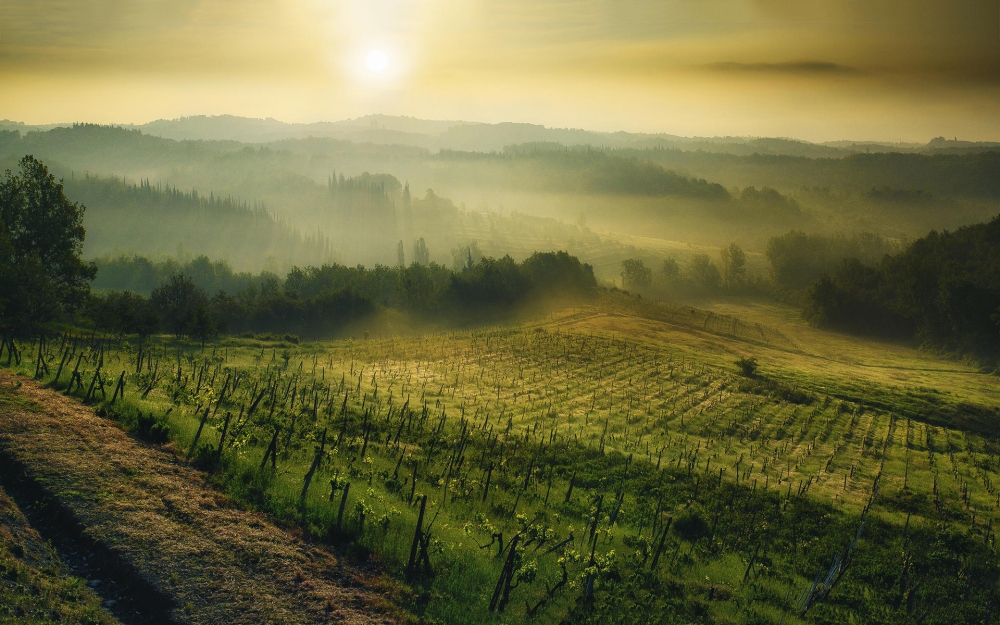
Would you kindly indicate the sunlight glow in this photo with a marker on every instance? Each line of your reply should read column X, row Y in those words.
column 377, row 61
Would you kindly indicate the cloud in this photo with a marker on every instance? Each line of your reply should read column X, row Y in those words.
column 794, row 67
column 191, row 37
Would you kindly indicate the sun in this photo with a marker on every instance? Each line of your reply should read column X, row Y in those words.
column 377, row 61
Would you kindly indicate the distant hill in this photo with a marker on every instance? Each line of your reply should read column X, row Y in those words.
column 485, row 137
column 389, row 129
column 371, row 128
column 464, row 135
column 11, row 127
column 670, row 192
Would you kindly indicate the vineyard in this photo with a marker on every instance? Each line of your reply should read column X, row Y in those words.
column 605, row 464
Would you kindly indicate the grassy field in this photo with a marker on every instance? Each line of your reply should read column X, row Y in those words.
column 605, row 463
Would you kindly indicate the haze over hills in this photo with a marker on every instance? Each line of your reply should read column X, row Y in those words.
column 507, row 188
column 485, row 137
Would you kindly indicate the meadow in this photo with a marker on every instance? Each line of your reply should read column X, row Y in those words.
column 607, row 463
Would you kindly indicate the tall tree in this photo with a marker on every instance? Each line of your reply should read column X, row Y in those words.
column 671, row 270
column 636, row 276
column 421, row 255
column 182, row 306
column 734, row 265
column 41, row 239
column 703, row 272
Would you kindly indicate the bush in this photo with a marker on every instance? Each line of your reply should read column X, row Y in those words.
column 151, row 429
column 748, row 366
column 690, row 526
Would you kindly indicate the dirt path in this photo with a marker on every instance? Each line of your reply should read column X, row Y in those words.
column 175, row 549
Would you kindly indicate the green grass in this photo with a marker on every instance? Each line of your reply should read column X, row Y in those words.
column 34, row 585
column 603, row 396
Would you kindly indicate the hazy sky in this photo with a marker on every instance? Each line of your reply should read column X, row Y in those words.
column 814, row 69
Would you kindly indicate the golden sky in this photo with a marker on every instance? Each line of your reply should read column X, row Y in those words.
column 813, row 69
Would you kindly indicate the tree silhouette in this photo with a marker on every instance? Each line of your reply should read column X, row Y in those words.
column 734, row 265
column 41, row 239
column 747, row 366
column 201, row 324
column 421, row 255
column 636, row 276
column 183, row 307
column 671, row 270
column 704, row 273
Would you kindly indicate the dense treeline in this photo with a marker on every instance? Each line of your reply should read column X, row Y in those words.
column 699, row 276
column 799, row 259
column 971, row 175
column 548, row 167
column 157, row 219
column 140, row 275
column 943, row 289
column 44, row 279
column 553, row 167
column 381, row 130
column 347, row 218
column 316, row 301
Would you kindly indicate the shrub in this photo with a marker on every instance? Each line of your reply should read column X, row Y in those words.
column 748, row 366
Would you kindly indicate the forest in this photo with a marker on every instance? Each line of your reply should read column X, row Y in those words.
column 942, row 290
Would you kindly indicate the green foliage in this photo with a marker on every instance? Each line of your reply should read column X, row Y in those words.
column 465, row 257
column 182, row 305
column 767, row 387
column 641, row 598
column 636, row 276
column 558, row 273
column 35, row 595
column 747, row 366
column 768, row 201
column 799, row 259
column 670, row 271
column 123, row 312
column 944, row 289
column 765, row 484
column 317, row 301
column 141, row 275
column 734, row 266
column 151, row 428
column 690, row 526
column 41, row 239
column 704, row 273
column 156, row 219
column 421, row 256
